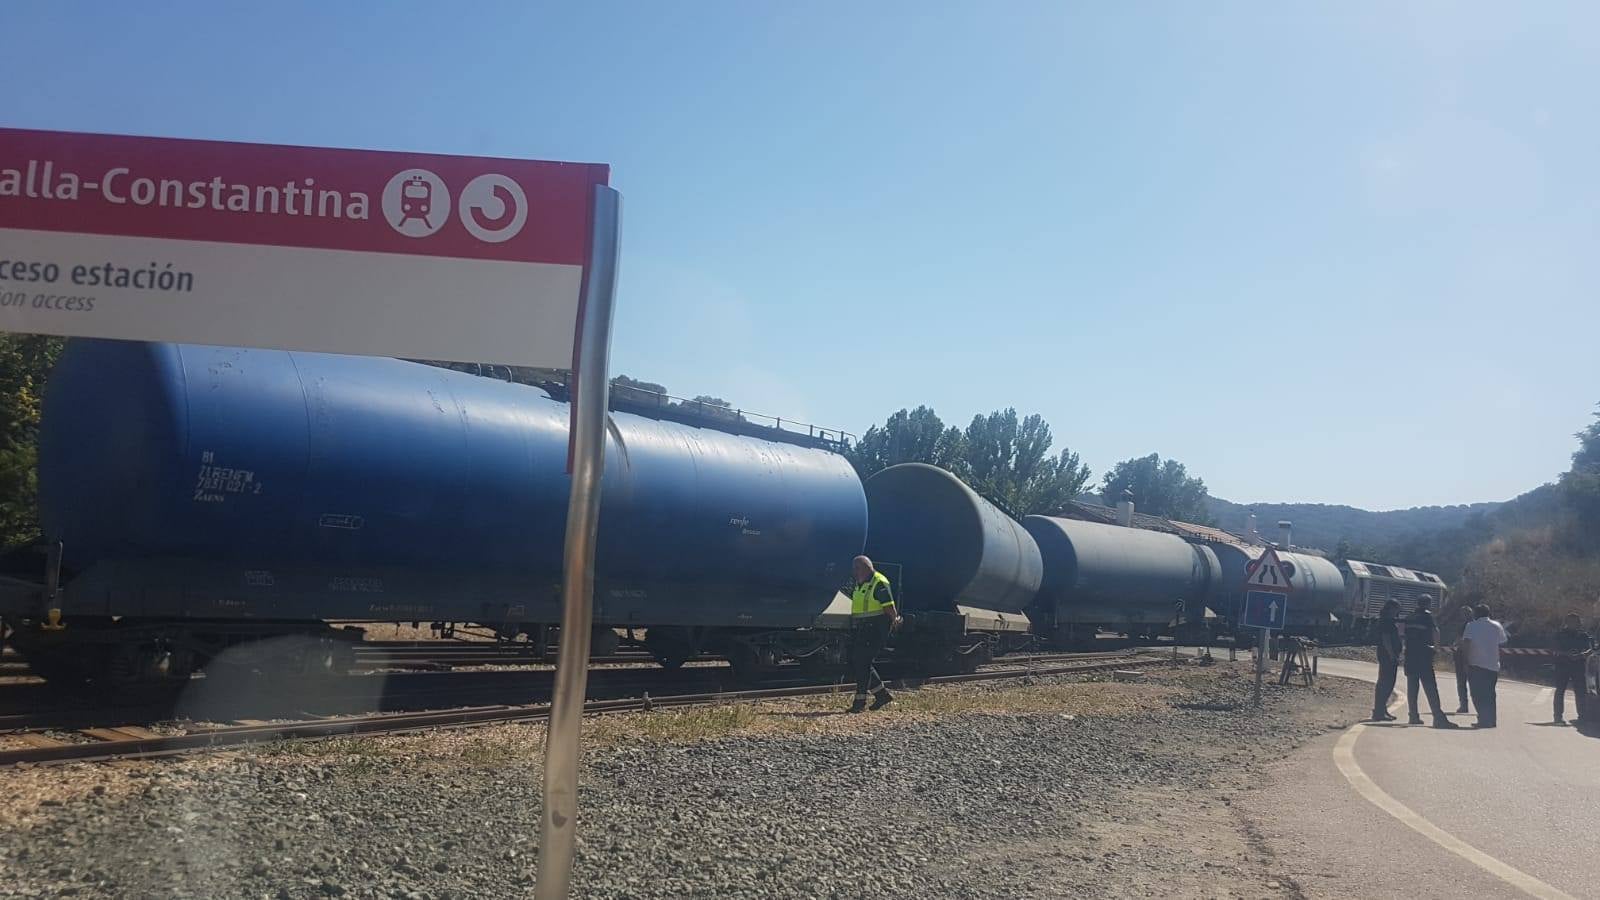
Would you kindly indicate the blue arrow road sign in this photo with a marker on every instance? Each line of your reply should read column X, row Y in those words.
column 1265, row 609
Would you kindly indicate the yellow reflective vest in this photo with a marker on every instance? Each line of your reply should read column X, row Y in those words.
column 864, row 600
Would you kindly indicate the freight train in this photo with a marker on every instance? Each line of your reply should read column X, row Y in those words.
column 213, row 506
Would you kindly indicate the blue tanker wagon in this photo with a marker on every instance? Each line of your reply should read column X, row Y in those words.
column 202, row 497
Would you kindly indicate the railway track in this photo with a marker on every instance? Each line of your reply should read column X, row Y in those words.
column 446, row 655
column 105, row 743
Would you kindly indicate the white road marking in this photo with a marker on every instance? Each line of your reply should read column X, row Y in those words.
column 1344, row 756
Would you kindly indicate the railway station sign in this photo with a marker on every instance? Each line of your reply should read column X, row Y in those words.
column 343, row 251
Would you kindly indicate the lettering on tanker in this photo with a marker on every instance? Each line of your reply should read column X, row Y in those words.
column 214, row 483
column 355, row 584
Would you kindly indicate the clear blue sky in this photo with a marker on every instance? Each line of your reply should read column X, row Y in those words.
column 1341, row 252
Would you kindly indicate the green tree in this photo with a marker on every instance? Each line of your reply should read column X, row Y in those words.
column 715, row 407
column 914, row 435
column 1347, row 550
column 1580, row 486
column 632, row 389
column 1009, row 461
column 25, row 362
column 1160, row 488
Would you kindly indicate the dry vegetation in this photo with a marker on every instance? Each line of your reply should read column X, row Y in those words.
column 797, row 717
column 1532, row 578
column 32, row 790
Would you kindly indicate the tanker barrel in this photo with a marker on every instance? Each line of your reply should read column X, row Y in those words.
column 954, row 546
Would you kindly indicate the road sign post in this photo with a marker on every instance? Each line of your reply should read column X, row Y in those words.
column 1261, row 662
column 455, row 258
column 1267, row 585
column 558, row 820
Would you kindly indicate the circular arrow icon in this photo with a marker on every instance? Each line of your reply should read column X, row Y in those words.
column 493, row 208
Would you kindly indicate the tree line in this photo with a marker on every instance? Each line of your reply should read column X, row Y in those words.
column 1540, row 560
column 25, row 363
column 1007, row 459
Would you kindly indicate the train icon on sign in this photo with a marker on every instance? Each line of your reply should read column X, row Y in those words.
column 416, row 203
column 416, row 199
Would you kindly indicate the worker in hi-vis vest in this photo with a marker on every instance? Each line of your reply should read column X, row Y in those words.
column 872, row 617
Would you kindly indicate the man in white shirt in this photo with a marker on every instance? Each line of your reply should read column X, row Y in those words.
column 1482, row 639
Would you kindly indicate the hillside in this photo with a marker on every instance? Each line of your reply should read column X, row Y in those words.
column 1325, row 525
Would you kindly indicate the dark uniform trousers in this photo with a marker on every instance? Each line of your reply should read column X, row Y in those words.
column 868, row 636
column 1483, row 682
column 1388, row 671
column 1569, row 673
column 1461, row 680
column 1420, row 672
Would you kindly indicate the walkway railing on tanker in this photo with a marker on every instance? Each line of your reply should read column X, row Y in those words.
column 725, row 416
column 698, row 411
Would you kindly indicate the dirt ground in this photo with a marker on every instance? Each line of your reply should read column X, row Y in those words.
column 1066, row 787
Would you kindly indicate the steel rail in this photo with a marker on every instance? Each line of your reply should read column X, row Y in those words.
column 402, row 723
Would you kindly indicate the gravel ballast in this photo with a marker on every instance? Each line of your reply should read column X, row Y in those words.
column 1060, row 788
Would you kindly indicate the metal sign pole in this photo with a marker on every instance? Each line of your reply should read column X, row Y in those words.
column 558, row 822
column 1261, row 661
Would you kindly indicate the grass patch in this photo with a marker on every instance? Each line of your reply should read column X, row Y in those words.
column 523, row 744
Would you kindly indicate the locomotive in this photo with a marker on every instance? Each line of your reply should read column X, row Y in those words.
column 199, row 503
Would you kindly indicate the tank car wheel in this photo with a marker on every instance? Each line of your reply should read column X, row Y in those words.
column 670, row 647
column 750, row 662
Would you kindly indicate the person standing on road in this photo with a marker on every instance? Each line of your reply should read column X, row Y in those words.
column 872, row 617
column 1459, row 652
column 1483, row 638
column 1388, row 660
column 1573, row 644
column 1422, row 636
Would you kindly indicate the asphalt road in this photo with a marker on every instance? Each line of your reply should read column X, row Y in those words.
column 1389, row 810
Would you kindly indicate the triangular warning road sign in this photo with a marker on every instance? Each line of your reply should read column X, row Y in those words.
column 1268, row 573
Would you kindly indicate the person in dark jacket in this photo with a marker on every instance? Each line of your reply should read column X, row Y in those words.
column 1573, row 644
column 1422, row 636
column 1388, row 660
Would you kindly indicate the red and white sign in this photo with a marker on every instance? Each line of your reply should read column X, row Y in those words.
column 344, row 251
column 1269, row 573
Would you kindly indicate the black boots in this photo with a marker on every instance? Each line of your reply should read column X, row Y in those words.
column 879, row 700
